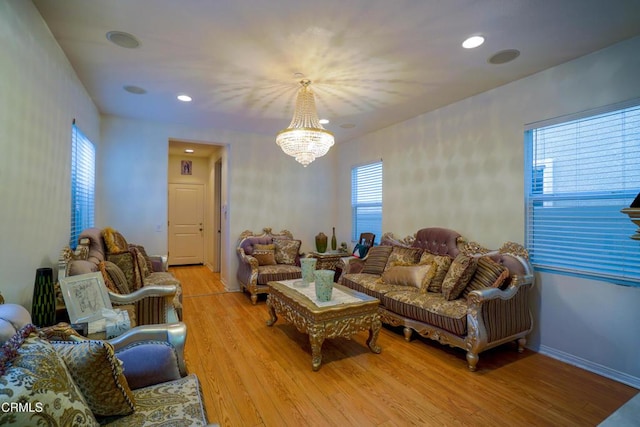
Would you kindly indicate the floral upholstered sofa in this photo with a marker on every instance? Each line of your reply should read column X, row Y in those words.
column 266, row 257
column 53, row 377
column 446, row 288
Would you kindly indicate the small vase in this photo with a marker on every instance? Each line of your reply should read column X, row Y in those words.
column 324, row 284
column 334, row 241
column 43, row 306
column 321, row 242
column 308, row 267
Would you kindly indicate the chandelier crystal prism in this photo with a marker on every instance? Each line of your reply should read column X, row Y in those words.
column 305, row 139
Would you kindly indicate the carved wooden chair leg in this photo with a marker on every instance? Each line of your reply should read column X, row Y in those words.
column 407, row 333
column 521, row 344
column 472, row 360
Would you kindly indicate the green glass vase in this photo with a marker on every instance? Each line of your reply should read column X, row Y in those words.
column 334, row 241
column 321, row 242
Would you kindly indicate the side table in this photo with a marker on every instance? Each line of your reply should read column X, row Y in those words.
column 327, row 260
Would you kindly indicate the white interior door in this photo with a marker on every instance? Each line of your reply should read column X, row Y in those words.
column 186, row 224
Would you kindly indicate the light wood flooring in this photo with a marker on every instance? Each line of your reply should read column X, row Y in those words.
column 254, row 375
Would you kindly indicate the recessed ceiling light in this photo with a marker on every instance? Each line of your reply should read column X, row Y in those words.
column 184, row 98
column 323, row 121
column 123, row 39
column 347, row 126
column 188, row 150
column 134, row 89
column 504, row 56
column 473, row 42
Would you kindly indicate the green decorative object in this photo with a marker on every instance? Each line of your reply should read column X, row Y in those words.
column 324, row 284
column 321, row 242
column 334, row 241
column 308, row 266
column 43, row 306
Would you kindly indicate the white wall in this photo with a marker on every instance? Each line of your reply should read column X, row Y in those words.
column 40, row 95
column 462, row 167
column 264, row 187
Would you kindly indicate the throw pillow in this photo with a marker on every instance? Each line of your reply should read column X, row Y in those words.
column 417, row 276
column 489, row 274
column 443, row 263
column 402, row 255
column 114, row 241
column 114, row 278
column 377, row 259
column 286, row 250
column 127, row 263
column 458, row 276
column 98, row 374
column 34, row 376
column 265, row 254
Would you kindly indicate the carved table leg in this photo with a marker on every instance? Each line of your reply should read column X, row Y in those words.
column 273, row 317
column 316, row 339
column 374, row 331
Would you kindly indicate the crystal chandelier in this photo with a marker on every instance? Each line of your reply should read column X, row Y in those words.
column 305, row 138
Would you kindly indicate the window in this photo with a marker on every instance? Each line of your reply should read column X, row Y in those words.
column 366, row 200
column 579, row 174
column 83, row 169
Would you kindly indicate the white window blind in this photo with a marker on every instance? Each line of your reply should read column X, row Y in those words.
column 366, row 200
column 579, row 174
column 83, row 160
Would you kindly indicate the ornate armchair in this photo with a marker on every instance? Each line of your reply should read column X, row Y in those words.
column 129, row 273
column 137, row 379
column 266, row 257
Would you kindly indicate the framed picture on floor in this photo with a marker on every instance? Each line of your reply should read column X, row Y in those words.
column 85, row 296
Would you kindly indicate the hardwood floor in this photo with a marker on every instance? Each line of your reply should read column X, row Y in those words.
column 254, row 375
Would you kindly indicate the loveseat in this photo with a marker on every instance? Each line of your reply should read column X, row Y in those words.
column 54, row 377
column 446, row 288
column 130, row 274
column 266, row 257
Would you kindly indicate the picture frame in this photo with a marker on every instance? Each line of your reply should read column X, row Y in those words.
column 186, row 167
column 85, row 296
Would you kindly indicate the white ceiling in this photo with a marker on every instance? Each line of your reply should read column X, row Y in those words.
column 372, row 63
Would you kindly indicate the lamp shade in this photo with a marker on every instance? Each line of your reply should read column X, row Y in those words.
column 305, row 139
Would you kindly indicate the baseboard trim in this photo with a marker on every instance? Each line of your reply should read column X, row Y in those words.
column 590, row 366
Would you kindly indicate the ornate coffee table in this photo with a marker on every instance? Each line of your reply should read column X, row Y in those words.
column 349, row 312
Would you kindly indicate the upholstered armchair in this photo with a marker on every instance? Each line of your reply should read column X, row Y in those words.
column 137, row 379
column 130, row 275
column 266, row 257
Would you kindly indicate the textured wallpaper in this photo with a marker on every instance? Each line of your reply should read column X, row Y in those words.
column 40, row 95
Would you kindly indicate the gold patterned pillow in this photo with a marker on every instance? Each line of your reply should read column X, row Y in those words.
column 98, row 374
column 35, row 377
column 489, row 274
column 417, row 276
column 286, row 250
column 403, row 256
column 458, row 276
column 114, row 241
column 443, row 263
column 265, row 254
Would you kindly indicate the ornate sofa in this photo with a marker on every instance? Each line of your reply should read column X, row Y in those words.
column 131, row 276
column 448, row 289
column 266, row 257
column 54, row 377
